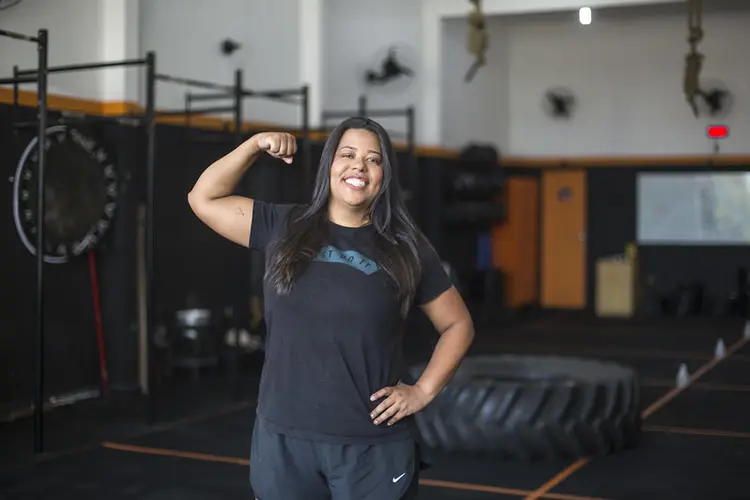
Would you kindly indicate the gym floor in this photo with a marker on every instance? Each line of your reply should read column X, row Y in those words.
column 695, row 445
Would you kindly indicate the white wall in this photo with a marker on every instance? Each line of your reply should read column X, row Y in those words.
column 476, row 111
column 120, row 40
column 186, row 35
column 628, row 74
column 74, row 35
column 354, row 33
column 626, row 70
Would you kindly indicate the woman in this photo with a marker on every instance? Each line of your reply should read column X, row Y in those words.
column 333, row 418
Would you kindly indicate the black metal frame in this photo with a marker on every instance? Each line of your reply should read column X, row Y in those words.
column 291, row 96
column 233, row 92
column 408, row 113
column 222, row 92
column 146, row 120
column 238, row 93
column 42, row 43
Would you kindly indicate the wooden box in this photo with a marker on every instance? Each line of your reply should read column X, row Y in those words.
column 615, row 287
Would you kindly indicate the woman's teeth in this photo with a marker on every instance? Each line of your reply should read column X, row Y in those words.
column 354, row 182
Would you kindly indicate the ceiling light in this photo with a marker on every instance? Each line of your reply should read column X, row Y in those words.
column 584, row 15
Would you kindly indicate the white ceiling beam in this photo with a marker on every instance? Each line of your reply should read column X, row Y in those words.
column 459, row 8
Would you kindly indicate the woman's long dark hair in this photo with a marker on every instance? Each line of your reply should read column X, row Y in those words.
column 396, row 235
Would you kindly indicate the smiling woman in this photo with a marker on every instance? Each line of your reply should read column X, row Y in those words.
column 358, row 165
column 342, row 272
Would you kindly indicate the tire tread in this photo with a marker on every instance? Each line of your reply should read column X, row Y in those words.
column 534, row 420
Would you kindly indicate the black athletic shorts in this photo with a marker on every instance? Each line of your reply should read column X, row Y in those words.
column 287, row 468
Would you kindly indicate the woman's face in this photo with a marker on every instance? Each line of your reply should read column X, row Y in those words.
column 356, row 171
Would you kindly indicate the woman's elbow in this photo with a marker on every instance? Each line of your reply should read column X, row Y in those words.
column 195, row 201
column 467, row 327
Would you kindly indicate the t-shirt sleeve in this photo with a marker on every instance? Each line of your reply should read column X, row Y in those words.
column 267, row 218
column 435, row 279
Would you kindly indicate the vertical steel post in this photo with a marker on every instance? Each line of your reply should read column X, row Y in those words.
column 42, row 73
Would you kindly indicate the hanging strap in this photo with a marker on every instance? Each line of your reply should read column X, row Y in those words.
column 694, row 59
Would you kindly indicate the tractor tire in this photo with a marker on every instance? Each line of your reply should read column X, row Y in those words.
column 534, row 408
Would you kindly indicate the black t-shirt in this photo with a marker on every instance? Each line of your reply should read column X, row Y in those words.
column 336, row 338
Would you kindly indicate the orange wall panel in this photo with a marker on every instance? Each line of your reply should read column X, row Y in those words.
column 515, row 243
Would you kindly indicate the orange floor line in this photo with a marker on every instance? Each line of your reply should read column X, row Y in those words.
column 696, row 432
column 703, row 386
column 206, row 457
column 496, row 489
column 669, row 396
column 654, row 407
column 176, row 453
column 558, row 478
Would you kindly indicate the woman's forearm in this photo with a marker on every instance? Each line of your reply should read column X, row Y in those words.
column 221, row 177
column 450, row 350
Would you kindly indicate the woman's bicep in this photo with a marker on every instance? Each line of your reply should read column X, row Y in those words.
column 230, row 216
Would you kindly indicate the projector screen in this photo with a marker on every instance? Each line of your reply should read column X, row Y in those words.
column 693, row 208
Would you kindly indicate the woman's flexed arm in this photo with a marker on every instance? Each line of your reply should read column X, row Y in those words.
column 211, row 198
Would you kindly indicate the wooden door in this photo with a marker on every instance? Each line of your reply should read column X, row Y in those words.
column 564, row 240
column 515, row 242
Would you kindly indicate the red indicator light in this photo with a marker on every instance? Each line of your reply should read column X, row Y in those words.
column 718, row 131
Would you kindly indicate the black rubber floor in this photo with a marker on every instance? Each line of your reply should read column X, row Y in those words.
column 695, row 445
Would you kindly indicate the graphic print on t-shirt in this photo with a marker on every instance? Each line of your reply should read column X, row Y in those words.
column 349, row 257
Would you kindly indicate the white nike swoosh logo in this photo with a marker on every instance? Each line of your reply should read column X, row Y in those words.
column 396, row 479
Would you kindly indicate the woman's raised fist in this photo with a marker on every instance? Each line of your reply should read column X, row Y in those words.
column 277, row 144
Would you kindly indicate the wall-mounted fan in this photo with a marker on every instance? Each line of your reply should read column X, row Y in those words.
column 714, row 99
column 392, row 69
column 559, row 103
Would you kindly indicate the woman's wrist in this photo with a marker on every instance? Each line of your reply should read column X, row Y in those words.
column 250, row 148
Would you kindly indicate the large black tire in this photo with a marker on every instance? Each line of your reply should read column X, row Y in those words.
column 534, row 408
